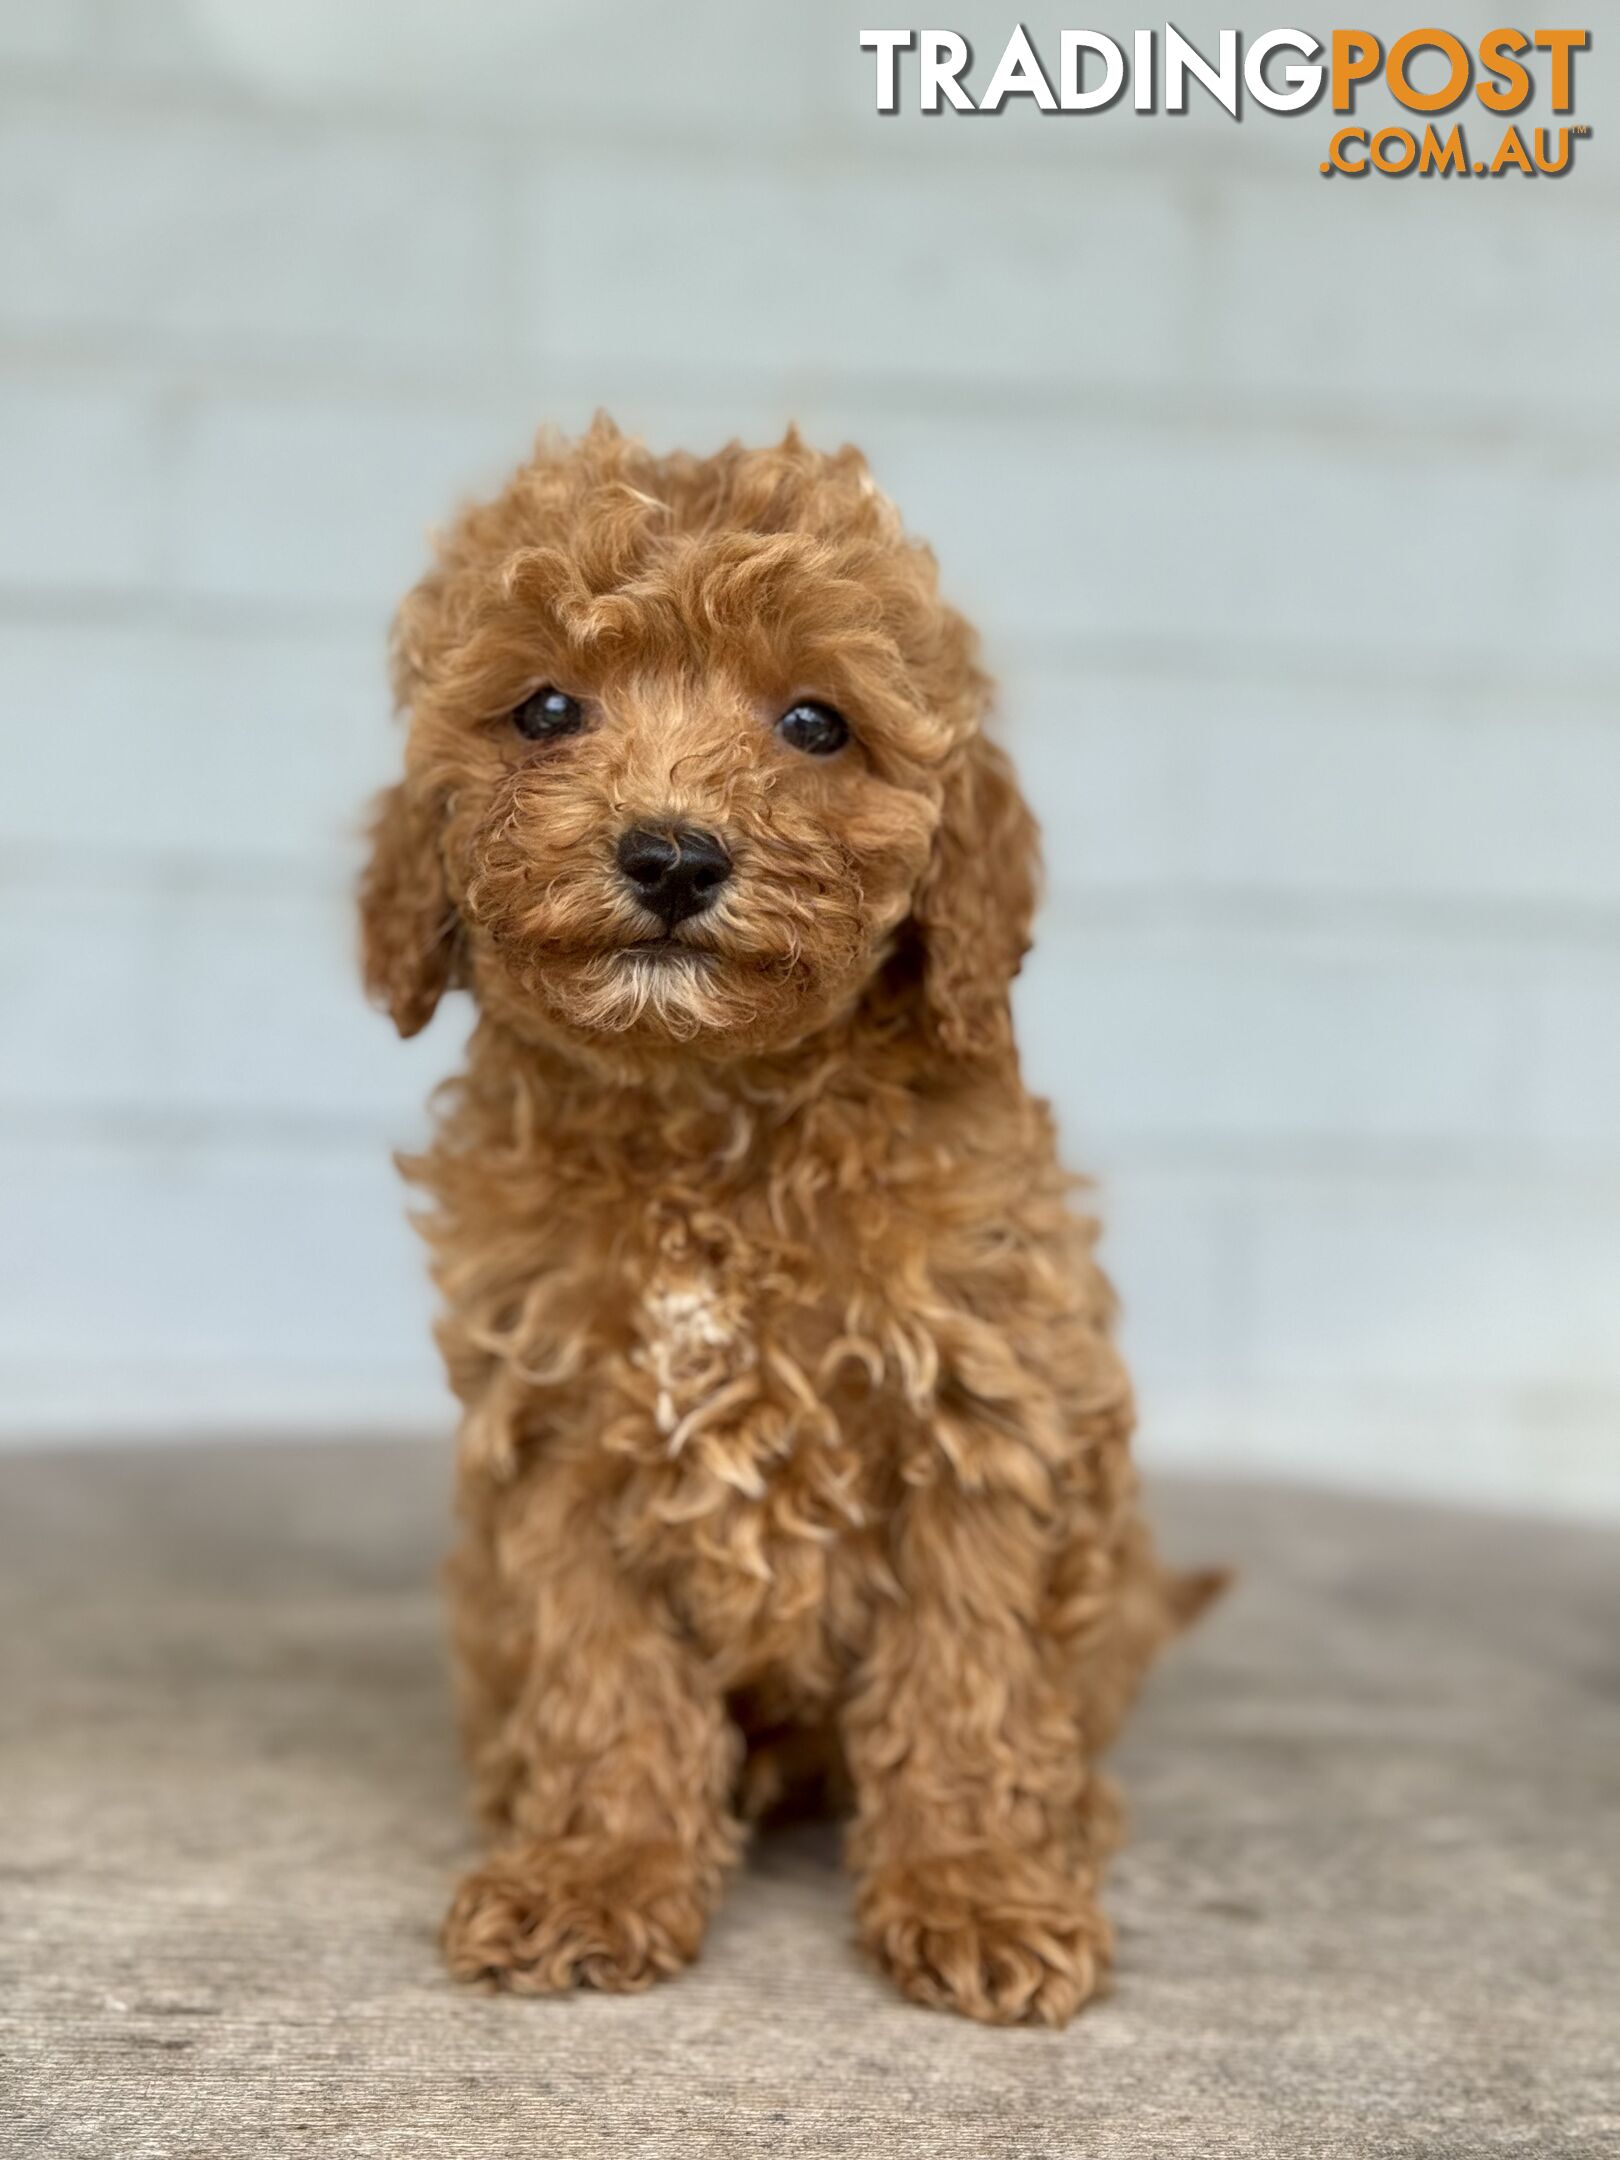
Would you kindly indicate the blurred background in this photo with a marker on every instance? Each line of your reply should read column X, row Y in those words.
column 1290, row 508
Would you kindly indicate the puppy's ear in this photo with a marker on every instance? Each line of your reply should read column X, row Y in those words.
column 410, row 934
column 976, row 902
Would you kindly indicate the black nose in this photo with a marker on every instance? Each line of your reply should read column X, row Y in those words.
column 675, row 873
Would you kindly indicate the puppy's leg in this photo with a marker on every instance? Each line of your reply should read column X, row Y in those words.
column 619, row 1761
column 976, row 1882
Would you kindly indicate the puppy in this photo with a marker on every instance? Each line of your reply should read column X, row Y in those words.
column 794, row 1456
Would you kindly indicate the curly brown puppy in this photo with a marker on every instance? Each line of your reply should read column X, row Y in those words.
column 795, row 1447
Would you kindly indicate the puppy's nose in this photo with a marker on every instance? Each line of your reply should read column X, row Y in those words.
column 675, row 873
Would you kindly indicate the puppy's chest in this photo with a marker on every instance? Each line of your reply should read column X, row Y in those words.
column 750, row 1431
column 738, row 1377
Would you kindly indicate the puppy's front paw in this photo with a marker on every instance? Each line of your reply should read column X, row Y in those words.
column 576, row 1912
column 1001, row 1937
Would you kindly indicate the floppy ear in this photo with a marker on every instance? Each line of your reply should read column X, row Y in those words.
column 410, row 934
column 976, row 902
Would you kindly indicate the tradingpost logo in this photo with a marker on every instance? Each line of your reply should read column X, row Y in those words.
column 1455, row 92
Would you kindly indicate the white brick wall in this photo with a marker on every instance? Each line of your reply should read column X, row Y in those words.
column 1290, row 511
column 337, row 223
column 83, row 486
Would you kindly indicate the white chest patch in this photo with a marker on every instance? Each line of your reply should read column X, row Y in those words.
column 697, row 1348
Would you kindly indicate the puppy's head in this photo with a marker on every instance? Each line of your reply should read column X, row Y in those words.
column 694, row 760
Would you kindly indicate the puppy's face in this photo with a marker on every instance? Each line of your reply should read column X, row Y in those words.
column 682, row 849
column 684, row 742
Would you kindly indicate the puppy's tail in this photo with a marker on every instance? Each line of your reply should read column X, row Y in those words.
column 1155, row 1604
column 1186, row 1595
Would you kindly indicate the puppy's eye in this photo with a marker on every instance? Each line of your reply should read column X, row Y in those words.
column 815, row 729
column 547, row 712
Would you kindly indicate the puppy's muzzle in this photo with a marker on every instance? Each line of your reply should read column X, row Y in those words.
column 675, row 873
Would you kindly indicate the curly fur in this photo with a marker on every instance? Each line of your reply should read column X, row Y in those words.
column 794, row 1457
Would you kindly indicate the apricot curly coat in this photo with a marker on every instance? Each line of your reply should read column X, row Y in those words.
column 795, row 1446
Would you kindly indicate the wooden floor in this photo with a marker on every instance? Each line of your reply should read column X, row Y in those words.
column 1369, row 1908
